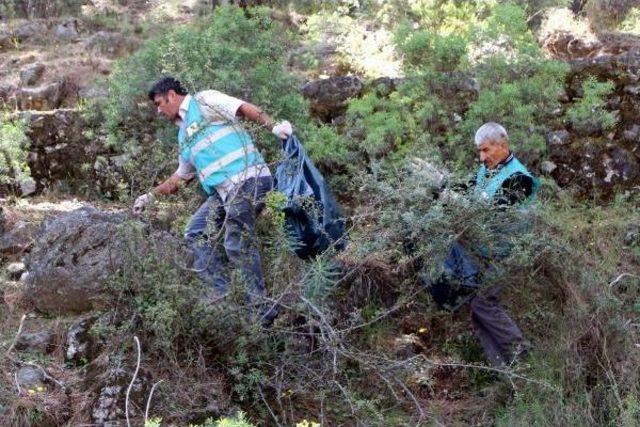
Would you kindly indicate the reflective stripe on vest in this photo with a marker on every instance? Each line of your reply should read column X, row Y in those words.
column 220, row 153
column 487, row 187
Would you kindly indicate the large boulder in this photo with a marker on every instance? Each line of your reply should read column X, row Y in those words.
column 47, row 96
column 329, row 97
column 595, row 167
column 77, row 256
column 30, row 30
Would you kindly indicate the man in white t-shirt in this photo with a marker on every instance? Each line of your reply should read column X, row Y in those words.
column 216, row 149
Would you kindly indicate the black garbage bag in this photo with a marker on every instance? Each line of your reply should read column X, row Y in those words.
column 312, row 215
column 459, row 281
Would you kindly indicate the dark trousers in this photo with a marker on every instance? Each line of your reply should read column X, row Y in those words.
column 500, row 337
column 236, row 218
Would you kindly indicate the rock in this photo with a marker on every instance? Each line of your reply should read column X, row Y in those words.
column 632, row 236
column 30, row 30
column 15, row 241
column 112, row 383
column 15, row 270
column 329, row 97
column 633, row 90
column 108, row 406
column 80, row 346
column 559, row 137
column 408, row 345
column 27, row 186
column 67, row 30
column 5, row 37
column 31, row 74
column 547, row 167
column 78, row 253
column 30, row 378
column 59, row 147
column 47, row 96
column 111, row 44
column 595, row 167
column 41, row 341
column 383, row 86
column 632, row 134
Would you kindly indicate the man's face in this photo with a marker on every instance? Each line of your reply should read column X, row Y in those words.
column 168, row 105
column 493, row 152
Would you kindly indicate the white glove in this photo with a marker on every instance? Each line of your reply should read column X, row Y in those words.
column 141, row 202
column 282, row 130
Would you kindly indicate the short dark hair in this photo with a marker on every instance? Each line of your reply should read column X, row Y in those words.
column 164, row 85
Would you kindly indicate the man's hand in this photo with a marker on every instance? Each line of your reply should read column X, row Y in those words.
column 282, row 130
column 141, row 202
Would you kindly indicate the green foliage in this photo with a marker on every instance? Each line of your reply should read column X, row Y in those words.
column 589, row 115
column 14, row 146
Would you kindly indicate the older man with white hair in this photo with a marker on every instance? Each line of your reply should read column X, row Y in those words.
column 503, row 179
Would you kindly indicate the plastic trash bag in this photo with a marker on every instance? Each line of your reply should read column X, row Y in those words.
column 312, row 215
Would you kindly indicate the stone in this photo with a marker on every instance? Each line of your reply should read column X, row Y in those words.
column 67, row 30
column 31, row 74
column 633, row 90
column 111, row 44
column 5, row 37
column 108, row 407
column 30, row 378
column 407, row 345
column 547, row 167
column 15, row 270
column 27, row 186
column 329, row 97
column 41, row 341
column 559, row 137
column 30, row 30
column 80, row 345
column 383, row 86
column 78, row 253
column 59, row 146
column 15, row 241
column 632, row 236
column 632, row 134
column 47, row 96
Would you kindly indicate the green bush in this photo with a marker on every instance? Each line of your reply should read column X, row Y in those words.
column 588, row 115
column 14, row 146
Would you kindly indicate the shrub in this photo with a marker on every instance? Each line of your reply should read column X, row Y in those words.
column 14, row 146
column 588, row 115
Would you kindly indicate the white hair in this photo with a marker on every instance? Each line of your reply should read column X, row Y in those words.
column 490, row 132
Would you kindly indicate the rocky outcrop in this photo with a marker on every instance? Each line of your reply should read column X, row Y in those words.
column 329, row 97
column 47, row 96
column 58, row 146
column 40, row 341
column 78, row 254
column 111, row 44
column 30, row 74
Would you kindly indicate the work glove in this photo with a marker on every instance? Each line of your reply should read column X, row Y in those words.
column 141, row 202
column 282, row 130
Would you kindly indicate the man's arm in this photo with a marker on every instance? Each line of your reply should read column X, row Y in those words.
column 170, row 185
column 255, row 114
column 281, row 130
